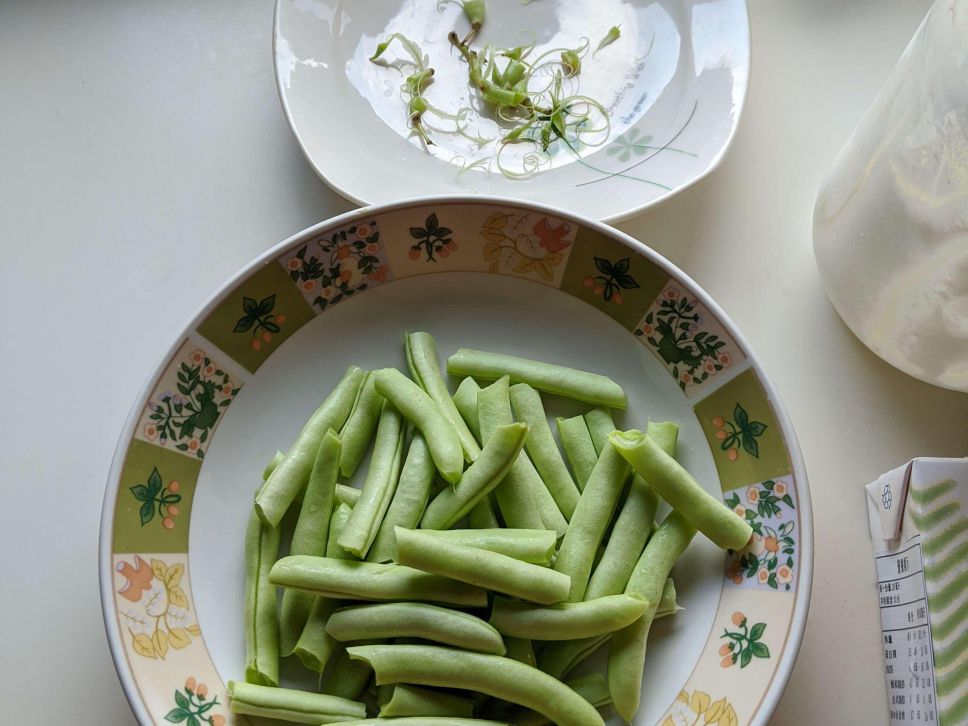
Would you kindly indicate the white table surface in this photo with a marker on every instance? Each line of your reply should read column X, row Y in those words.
column 137, row 135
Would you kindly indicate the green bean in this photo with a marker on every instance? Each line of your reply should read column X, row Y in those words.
column 513, row 494
column 587, row 526
column 542, row 448
column 668, row 604
column 600, row 424
column 288, row 478
column 425, row 369
column 465, row 399
column 482, row 515
column 561, row 657
column 626, row 658
column 309, row 536
column 578, row 446
column 528, row 545
column 261, row 625
column 414, row 701
column 416, row 620
column 521, row 650
column 569, row 382
column 593, row 687
column 287, row 704
column 425, row 721
column 489, row 570
column 679, row 488
column 348, row 677
column 358, row 431
column 481, row 477
column 493, row 675
column 421, row 410
column 352, row 580
column 381, row 481
column 630, row 534
column 566, row 621
column 337, row 522
column 271, row 466
column 347, row 495
column 409, row 501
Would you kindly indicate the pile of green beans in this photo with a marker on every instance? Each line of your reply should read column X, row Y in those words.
column 480, row 555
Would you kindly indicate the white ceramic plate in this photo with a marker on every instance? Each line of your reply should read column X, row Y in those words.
column 674, row 85
column 509, row 277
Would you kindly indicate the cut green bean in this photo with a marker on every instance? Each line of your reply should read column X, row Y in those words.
column 587, row 526
column 409, row 500
column 415, row 701
column 271, row 466
column 381, row 482
column 358, row 431
column 568, row 382
column 600, row 424
column 353, row 580
column 521, row 650
column 347, row 495
column 425, row 721
column 578, row 446
column 668, row 604
column 465, row 399
column 561, row 657
column 481, row 477
column 337, row 522
column 424, row 413
column 542, row 448
column 290, row 476
column 513, row 495
column 593, row 687
column 566, row 621
column 626, row 658
column 490, row 674
column 347, row 678
column 287, row 704
column 528, row 545
column 261, row 625
column 680, row 489
column 482, row 515
column 474, row 566
column 309, row 537
column 416, row 620
column 632, row 529
column 425, row 369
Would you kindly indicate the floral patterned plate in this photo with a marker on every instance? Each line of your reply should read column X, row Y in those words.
column 496, row 274
column 674, row 84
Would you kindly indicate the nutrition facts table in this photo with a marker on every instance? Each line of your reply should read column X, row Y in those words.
column 906, row 634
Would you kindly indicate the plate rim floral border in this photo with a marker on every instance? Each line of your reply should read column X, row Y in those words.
column 739, row 104
column 794, row 636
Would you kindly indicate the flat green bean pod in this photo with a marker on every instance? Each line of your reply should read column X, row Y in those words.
column 291, row 474
column 424, row 413
column 381, row 482
column 425, row 369
column 513, row 495
column 357, row 432
column 287, row 704
column 489, row 570
column 566, row 621
column 542, row 448
column 271, row 466
column 578, row 446
column 261, row 625
column 481, row 477
column 680, row 489
column 416, row 620
column 353, row 580
column 626, row 658
column 493, row 675
column 528, row 545
column 414, row 701
column 587, row 526
column 309, row 537
column 629, row 534
column 569, row 382
column 593, row 687
column 465, row 399
column 347, row 495
column 409, row 500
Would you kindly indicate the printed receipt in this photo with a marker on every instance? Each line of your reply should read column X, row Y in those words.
column 906, row 634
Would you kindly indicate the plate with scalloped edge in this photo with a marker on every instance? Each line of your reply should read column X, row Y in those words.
column 672, row 88
column 238, row 382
